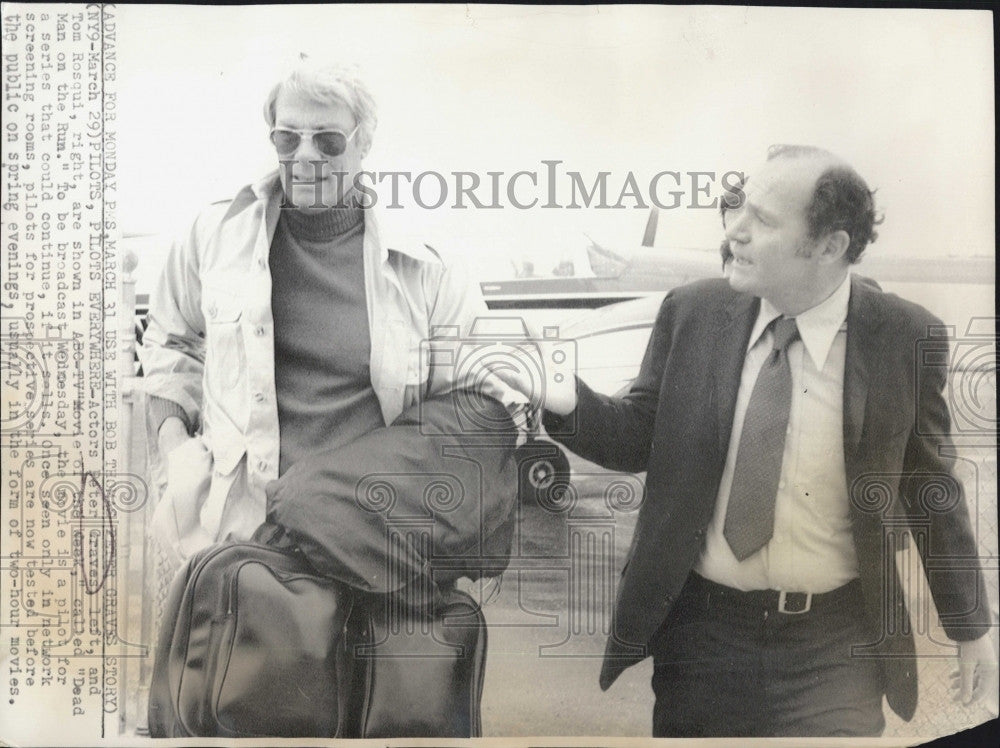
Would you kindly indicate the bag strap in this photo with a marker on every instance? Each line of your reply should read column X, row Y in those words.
column 277, row 537
column 267, row 533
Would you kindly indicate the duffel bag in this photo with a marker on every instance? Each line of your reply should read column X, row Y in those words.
column 412, row 675
column 255, row 644
column 251, row 645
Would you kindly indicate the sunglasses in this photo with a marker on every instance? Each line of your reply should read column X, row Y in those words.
column 328, row 142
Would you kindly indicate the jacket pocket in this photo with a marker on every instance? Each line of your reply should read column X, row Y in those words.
column 225, row 353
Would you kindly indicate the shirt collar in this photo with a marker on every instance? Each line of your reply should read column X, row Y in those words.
column 377, row 225
column 818, row 326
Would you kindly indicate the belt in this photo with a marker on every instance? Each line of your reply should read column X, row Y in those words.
column 713, row 594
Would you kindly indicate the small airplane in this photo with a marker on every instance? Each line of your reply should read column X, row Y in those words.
column 605, row 276
column 609, row 337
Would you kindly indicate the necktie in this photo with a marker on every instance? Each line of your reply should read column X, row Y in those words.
column 750, row 515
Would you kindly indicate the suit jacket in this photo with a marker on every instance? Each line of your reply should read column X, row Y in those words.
column 675, row 422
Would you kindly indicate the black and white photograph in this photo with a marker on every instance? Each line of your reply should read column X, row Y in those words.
column 497, row 374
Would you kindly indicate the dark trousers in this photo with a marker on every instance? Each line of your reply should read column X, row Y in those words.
column 727, row 663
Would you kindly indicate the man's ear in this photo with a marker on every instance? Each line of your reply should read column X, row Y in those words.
column 363, row 148
column 835, row 246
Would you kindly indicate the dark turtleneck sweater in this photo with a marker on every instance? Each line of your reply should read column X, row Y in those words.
column 322, row 345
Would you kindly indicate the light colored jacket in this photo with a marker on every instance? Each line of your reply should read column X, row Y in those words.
column 209, row 347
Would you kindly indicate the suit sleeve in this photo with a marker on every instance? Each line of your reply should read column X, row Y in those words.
column 949, row 549
column 616, row 432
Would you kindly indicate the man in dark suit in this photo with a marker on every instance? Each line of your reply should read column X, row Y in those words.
column 789, row 434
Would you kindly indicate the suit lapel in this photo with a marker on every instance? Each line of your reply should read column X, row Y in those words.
column 862, row 325
column 736, row 323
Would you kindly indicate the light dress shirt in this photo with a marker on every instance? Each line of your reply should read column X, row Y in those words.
column 812, row 548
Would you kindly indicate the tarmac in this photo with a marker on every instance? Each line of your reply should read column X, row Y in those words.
column 549, row 614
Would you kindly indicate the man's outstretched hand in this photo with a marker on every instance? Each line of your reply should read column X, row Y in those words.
column 555, row 392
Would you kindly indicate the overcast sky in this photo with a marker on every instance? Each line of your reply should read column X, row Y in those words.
column 905, row 95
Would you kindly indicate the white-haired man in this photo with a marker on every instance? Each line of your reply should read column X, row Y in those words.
column 284, row 324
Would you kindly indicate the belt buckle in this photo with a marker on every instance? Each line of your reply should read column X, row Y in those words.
column 783, row 599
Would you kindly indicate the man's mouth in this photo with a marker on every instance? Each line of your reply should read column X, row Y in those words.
column 737, row 260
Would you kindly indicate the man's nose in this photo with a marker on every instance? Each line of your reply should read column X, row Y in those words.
column 736, row 225
column 306, row 151
column 310, row 166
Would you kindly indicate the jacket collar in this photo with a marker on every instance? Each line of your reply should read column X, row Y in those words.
column 817, row 326
column 267, row 191
column 735, row 324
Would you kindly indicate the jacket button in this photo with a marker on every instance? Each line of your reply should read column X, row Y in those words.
column 262, row 264
column 700, row 533
column 213, row 311
column 262, row 466
column 259, row 330
column 258, row 396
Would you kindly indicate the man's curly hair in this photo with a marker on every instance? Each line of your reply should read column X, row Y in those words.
column 840, row 202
